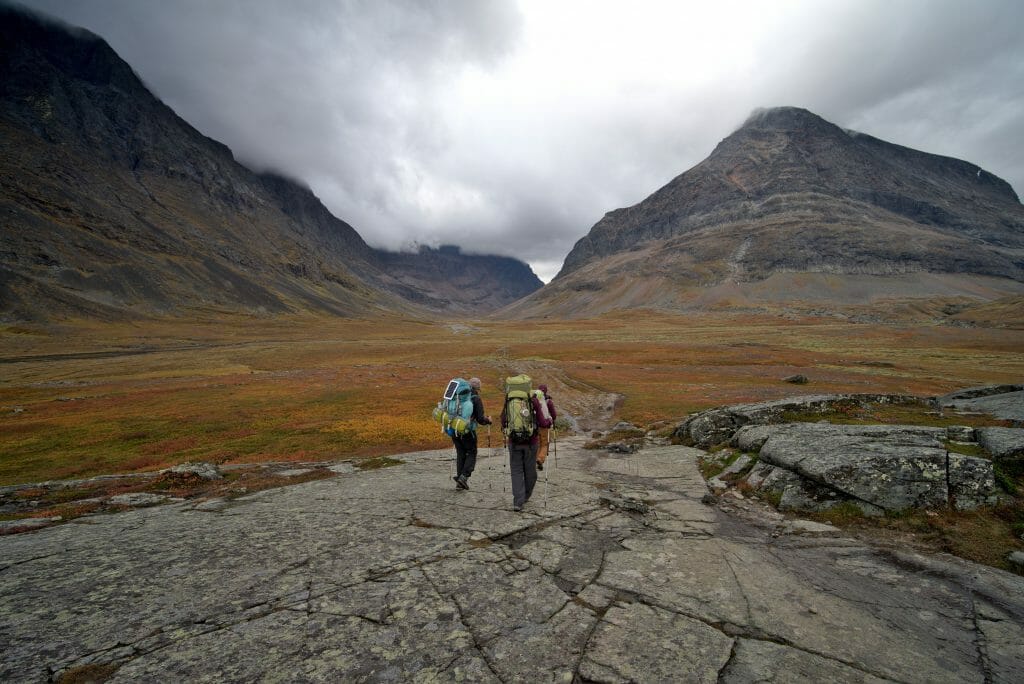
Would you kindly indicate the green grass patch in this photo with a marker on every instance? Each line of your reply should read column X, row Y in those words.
column 1006, row 480
column 88, row 674
column 967, row 449
column 986, row 535
column 843, row 513
column 920, row 414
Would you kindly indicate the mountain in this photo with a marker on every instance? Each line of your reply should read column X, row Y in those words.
column 114, row 206
column 792, row 208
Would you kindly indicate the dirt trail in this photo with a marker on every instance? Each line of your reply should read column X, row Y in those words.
column 587, row 407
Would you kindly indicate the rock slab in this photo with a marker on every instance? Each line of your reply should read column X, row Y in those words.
column 394, row 575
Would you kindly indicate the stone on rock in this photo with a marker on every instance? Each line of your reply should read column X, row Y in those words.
column 796, row 379
column 709, row 428
column 205, row 471
column 961, row 433
column 345, row 468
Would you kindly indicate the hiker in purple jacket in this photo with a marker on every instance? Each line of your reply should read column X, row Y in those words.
column 543, row 433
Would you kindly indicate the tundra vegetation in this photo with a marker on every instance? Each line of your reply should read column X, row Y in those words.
column 86, row 398
column 83, row 398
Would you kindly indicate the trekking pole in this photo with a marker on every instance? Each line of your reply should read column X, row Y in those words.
column 554, row 440
column 546, row 488
column 490, row 466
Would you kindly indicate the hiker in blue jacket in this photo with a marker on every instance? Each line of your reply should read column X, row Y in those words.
column 465, row 444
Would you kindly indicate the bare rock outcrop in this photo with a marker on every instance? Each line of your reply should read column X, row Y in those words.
column 876, row 467
column 718, row 425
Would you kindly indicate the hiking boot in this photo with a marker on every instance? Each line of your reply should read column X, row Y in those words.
column 461, row 483
column 517, row 509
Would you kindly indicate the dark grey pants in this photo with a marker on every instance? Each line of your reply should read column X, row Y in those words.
column 465, row 454
column 522, row 460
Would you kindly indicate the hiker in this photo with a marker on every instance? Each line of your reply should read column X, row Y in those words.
column 520, row 418
column 543, row 435
column 465, row 444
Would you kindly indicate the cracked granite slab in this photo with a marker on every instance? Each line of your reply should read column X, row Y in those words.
column 615, row 572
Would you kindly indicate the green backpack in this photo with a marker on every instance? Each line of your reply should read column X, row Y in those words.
column 519, row 418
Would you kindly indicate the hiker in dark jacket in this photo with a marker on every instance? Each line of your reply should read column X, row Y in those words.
column 543, row 433
column 522, row 457
column 465, row 444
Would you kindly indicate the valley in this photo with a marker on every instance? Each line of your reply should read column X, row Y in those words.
column 86, row 398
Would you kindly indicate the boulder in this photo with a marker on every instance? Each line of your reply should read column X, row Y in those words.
column 1005, row 444
column 890, row 467
column 718, row 425
column 709, row 428
column 1001, row 401
column 961, row 433
column 969, row 393
column 796, row 379
column 205, row 471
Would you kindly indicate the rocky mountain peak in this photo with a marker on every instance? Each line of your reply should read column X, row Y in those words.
column 791, row 119
column 789, row 192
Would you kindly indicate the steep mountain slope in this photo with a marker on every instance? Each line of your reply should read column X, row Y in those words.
column 113, row 206
column 792, row 207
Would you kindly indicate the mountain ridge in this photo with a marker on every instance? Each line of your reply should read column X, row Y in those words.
column 118, row 207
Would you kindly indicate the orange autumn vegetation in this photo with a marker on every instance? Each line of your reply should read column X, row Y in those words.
column 90, row 398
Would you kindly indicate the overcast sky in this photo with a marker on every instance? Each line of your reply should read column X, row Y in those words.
column 511, row 127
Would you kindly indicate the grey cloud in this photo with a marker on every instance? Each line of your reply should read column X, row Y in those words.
column 349, row 97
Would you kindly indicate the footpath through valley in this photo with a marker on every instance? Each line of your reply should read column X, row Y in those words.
column 616, row 571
